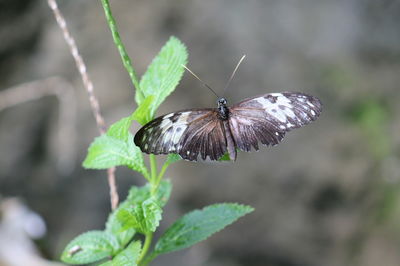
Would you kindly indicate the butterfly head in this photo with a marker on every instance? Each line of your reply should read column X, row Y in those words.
column 221, row 102
column 222, row 108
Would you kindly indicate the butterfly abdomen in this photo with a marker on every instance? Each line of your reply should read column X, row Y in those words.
column 230, row 142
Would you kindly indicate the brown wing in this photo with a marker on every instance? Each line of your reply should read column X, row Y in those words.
column 187, row 133
column 268, row 117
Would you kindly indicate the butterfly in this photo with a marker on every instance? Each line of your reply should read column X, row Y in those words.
column 212, row 132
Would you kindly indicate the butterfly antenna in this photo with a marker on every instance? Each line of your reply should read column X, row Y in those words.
column 202, row 82
column 233, row 73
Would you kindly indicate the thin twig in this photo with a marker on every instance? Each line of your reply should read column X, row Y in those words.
column 80, row 65
column 89, row 87
column 113, row 187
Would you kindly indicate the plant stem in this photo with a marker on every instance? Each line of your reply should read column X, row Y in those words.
column 160, row 175
column 87, row 82
column 146, row 246
column 155, row 178
column 148, row 259
column 153, row 166
column 121, row 48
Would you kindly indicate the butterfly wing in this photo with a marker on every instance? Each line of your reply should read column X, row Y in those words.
column 187, row 133
column 268, row 117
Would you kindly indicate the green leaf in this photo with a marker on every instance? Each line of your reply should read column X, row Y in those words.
column 136, row 196
column 90, row 247
column 144, row 217
column 164, row 73
column 151, row 215
column 128, row 257
column 143, row 113
column 139, row 206
column 120, row 129
column 199, row 225
column 127, row 217
column 114, row 227
column 172, row 158
column 139, row 194
column 107, row 151
column 135, row 153
column 163, row 193
column 116, row 148
column 226, row 157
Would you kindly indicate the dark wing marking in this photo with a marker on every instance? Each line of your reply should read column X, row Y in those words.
column 268, row 117
column 187, row 133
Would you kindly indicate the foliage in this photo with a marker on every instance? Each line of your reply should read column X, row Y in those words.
column 141, row 212
column 198, row 225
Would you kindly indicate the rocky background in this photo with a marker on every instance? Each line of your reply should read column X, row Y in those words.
column 328, row 195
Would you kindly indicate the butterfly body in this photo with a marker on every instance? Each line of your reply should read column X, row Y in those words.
column 223, row 108
column 212, row 132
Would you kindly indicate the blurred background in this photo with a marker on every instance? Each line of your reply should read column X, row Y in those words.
column 327, row 195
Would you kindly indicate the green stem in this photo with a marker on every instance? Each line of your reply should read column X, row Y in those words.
column 153, row 166
column 154, row 178
column 147, row 176
column 148, row 259
column 154, row 186
column 121, row 48
column 146, row 246
column 161, row 175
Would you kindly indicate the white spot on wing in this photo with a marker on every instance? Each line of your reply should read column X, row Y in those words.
column 165, row 123
column 178, row 134
column 289, row 113
column 183, row 117
column 273, row 108
column 172, row 131
column 167, row 136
